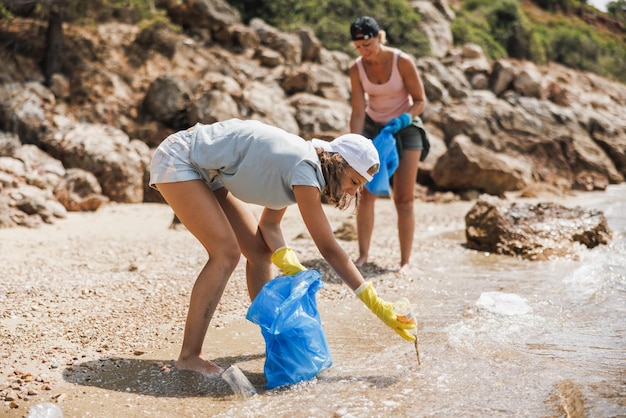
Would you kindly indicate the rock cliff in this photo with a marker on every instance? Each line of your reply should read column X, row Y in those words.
column 86, row 137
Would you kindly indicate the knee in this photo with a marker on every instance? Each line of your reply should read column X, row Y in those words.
column 228, row 257
column 233, row 256
column 259, row 255
column 265, row 254
column 404, row 204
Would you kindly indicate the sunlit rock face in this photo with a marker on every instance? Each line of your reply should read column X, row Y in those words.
column 533, row 231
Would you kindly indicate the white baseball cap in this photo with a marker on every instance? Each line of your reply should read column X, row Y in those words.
column 357, row 150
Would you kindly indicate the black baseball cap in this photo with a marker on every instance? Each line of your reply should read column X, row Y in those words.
column 364, row 27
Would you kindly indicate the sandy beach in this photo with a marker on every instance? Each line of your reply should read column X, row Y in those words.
column 92, row 311
column 114, row 284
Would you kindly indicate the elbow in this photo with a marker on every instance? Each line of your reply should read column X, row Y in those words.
column 327, row 252
column 334, row 255
column 419, row 106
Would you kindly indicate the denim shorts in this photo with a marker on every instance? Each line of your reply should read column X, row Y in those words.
column 413, row 137
column 171, row 163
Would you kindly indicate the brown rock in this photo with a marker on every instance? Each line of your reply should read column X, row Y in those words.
column 532, row 231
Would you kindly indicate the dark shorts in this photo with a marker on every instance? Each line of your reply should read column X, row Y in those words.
column 413, row 137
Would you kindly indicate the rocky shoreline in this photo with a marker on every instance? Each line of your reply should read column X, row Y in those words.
column 92, row 307
column 86, row 138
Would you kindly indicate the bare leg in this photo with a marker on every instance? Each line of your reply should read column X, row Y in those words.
column 253, row 247
column 404, row 196
column 365, row 225
column 198, row 209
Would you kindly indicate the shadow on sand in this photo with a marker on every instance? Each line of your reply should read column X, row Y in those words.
column 329, row 275
column 161, row 379
column 157, row 378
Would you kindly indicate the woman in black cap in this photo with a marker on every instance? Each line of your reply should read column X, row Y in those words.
column 387, row 90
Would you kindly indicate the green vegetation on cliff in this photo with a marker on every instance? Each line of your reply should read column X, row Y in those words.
column 331, row 19
column 568, row 32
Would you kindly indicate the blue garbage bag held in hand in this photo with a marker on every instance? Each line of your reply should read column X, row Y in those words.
column 296, row 348
column 385, row 144
column 399, row 123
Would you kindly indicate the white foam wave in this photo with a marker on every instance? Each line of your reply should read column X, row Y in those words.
column 503, row 303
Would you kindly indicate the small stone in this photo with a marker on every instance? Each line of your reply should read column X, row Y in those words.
column 60, row 398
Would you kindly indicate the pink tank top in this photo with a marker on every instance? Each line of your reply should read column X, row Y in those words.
column 385, row 101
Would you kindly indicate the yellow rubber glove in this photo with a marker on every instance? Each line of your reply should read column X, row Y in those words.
column 285, row 259
column 384, row 311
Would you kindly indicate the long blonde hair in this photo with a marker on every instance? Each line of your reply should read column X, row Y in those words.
column 334, row 168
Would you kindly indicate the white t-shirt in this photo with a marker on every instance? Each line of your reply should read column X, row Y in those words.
column 256, row 162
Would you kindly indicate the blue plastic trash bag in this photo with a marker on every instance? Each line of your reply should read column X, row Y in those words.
column 295, row 344
column 385, row 144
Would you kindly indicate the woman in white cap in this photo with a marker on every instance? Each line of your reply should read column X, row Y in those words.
column 208, row 174
column 387, row 91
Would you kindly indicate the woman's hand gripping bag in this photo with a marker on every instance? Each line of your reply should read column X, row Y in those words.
column 295, row 344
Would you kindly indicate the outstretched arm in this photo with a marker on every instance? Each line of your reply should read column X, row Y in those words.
column 314, row 217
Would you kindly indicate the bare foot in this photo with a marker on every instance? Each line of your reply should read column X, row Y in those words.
column 200, row 365
column 405, row 270
column 360, row 262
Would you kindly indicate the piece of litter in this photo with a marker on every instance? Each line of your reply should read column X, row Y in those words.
column 238, row 382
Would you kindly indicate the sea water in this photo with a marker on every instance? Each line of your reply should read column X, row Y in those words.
column 499, row 337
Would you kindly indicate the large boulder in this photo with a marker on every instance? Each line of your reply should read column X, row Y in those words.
column 104, row 151
column 318, row 116
column 532, row 231
column 27, row 178
column 215, row 15
column 80, row 191
column 436, row 26
column 289, row 45
column 22, row 110
column 168, row 100
column 466, row 165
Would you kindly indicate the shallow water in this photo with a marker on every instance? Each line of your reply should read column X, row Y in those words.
column 499, row 336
